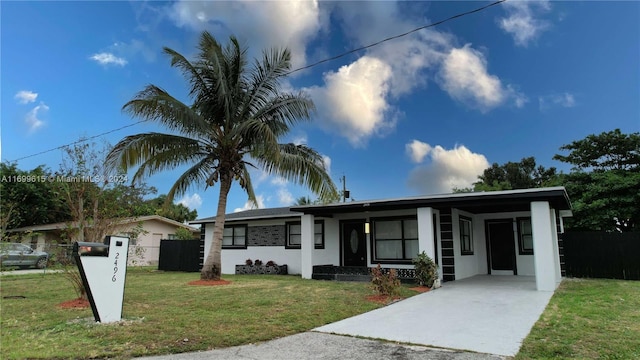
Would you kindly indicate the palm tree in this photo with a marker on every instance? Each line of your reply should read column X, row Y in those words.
column 237, row 116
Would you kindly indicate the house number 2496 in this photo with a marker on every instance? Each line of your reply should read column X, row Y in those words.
column 115, row 268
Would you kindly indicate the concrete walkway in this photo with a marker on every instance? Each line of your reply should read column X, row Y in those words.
column 487, row 314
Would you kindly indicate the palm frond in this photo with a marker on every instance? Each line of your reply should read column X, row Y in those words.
column 196, row 174
column 153, row 153
column 302, row 165
column 189, row 71
column 154, row 103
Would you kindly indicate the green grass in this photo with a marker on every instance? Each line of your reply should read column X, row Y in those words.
column 166, row 315
column 588, row 319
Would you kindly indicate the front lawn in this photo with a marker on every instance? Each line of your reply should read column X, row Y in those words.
column 166, row 315
column 588, row 319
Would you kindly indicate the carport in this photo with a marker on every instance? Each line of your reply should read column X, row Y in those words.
column 484, row 313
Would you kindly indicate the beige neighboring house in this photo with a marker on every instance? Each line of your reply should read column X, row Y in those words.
column 143, row 249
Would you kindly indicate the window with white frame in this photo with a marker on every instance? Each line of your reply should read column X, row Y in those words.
column 466, row 235
column 525, row 236
column 395, row 240
column 294, row 234
column 234, row 237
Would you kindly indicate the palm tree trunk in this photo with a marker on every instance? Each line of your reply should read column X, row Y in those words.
column 212, row 267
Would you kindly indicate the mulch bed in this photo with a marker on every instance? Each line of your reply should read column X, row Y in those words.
column 78, row 303
column 209, row 282
column 420, row 289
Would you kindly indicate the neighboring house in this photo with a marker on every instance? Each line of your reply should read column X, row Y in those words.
column 512, row 232
column 144, row 248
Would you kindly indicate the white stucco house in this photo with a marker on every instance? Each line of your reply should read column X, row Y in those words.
column 512, row 232
column 154, row 228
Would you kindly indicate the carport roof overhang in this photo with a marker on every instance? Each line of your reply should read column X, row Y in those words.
column 474, row 202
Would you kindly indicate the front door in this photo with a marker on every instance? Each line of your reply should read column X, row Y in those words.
column 501, row 244
column 354, row 244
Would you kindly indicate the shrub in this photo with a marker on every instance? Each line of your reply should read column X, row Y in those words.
column 271, row 263
column 248, row 262
column 426, row 270
column 385, row 283
column 257, row 262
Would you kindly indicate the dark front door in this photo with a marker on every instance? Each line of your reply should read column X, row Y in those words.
column 501, row 243
column 354, row 244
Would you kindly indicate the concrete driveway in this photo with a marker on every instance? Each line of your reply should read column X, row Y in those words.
column 487, row 314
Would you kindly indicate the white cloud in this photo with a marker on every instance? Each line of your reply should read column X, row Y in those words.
column 300, row 139
column 26, row 96
column 417, row 150
column 32, row 119
column 566, row 100
column 249, row 206
column 448, row 169
column 327, row 163
column 105, row 58
column 192, row 202
column 521, row 21
column 465, row 77
column 353, row 99
column 265, row 23
column 284, row 197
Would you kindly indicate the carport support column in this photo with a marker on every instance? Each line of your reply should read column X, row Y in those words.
column 425, row 232
column 543, row 249
column 306, row 245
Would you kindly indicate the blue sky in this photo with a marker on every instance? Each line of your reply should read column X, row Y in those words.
column 416, row 115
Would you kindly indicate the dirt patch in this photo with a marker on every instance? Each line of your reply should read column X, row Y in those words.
column 383, row 299
column 210, row 282
column 420, row 289
column 78, row 303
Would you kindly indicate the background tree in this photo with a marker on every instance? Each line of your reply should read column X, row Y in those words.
column 235, row 120
column 27, row 197
column 515, row 175
column 171, row 210
column 604, row 184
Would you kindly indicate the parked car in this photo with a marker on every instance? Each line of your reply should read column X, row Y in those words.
column 21, row 255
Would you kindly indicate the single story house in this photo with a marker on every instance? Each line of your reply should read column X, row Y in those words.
column 144, row 249
column 513, row 232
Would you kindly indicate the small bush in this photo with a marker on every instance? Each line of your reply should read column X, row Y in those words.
column 426, row 270
column 248, row 262
column 385, row 283
column 257, row 262
column 271, row 263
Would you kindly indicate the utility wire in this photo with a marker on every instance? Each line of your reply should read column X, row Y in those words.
column 394, row 37
column 293, row 71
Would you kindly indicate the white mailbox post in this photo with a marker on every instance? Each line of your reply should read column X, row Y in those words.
column 103, row 268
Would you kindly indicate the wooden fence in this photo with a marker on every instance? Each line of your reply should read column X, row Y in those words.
column 602, row 255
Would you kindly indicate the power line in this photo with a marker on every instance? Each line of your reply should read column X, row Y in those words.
column 295, row 70
column 78, row 141
column 394, row 37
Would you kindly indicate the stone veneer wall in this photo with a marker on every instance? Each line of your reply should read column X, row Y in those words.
column 271, row 235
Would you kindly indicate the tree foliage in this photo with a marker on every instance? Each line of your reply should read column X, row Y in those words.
column 237, row 116
column 515, row 175
column 604, row 184
column 28, row 197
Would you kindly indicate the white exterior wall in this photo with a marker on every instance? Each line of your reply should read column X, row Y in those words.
column 524, row 263
column 279, row 254
column 545, row 253
column 468, row 265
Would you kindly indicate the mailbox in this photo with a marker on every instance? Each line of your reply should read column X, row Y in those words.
column 103, row 268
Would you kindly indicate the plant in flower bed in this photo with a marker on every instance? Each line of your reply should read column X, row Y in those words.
column 426, row 270
column 385, row 283
column 257, row 267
